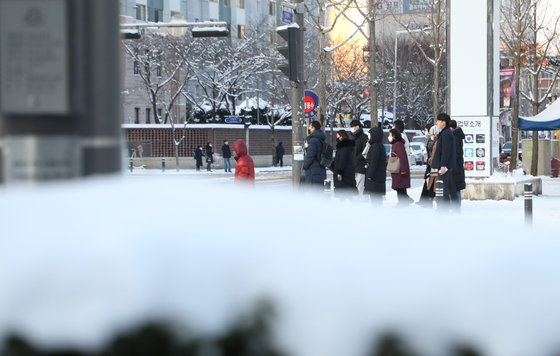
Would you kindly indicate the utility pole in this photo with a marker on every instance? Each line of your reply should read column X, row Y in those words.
column 298, row 103
column 293, row 52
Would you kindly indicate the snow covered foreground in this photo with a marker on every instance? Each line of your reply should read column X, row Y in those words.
column 82, row 260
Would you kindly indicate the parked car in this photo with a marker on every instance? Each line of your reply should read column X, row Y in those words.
column 422, row 139
column 387, row 149
column 419, row 152
column 506, row 150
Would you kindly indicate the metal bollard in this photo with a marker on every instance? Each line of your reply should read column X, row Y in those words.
column 130, row 165
column 163, row 164
column 439, row 193
column 528, row 194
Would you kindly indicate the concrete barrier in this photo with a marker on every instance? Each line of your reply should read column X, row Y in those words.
column 499, row 190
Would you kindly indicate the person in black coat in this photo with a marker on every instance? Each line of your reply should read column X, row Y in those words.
column 459, row 170
column 280, row 154
column 445, row 158
column 198, row 157
column 226, row 154
column 343, row 164
column 360, row 140
column 209, row 158
column 314, row 172
column 376, row 171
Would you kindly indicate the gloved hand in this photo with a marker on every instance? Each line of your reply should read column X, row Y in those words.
column 403, row 174
column 339, row 177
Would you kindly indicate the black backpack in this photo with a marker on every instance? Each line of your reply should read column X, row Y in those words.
column 326, row 155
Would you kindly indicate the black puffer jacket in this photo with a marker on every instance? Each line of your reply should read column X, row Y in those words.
column 360, row 139
column 314, row 173
column 376, row 173
column 459, row 171
column 343, row 165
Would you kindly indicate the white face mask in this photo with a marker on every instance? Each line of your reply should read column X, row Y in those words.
column 355, row 129
column 390, row 138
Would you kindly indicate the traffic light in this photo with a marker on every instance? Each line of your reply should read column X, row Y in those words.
column 217, row 31
column 289, row 51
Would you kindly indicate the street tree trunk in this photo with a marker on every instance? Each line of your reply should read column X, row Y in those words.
column 323, row 64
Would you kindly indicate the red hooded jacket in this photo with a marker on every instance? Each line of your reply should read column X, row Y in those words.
column 245, row 168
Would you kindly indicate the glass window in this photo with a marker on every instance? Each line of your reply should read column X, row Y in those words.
column 271, row 8
column 141, row 12
column 136, row 115
column 240, row 31
column 240, row 4
column 159, row 113
column 158, row 71
column 136, row 67
column 148, row 115
column 227, row 3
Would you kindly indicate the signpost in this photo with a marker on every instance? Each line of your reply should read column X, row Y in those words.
column 287, row 16
column 233, row 119
column 311, row 104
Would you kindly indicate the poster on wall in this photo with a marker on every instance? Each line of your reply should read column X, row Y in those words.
column 389, row 6
column 507, row 92
column 476, row 146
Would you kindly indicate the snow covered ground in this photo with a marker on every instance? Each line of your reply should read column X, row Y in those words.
column 83, row 259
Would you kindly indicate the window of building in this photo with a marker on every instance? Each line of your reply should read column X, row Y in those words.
column 159, row 113
column 136, row 67
column 158, row 70
column 240, row 4
column 227, row 3
column 148, row 115
column 156, row 15
column 214, row 0
column 136, row 115
column 271, row 8
column 240, row 31
column 141, row 12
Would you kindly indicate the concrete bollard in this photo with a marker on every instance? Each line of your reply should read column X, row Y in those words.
column 439, row 194
column 163, row 164
column 528, row 195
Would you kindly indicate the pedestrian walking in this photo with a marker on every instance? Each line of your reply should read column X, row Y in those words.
column 445, row 158
column 280, row 154
column 360, row 140
column 344, row 178
column 314, row 172
column 226, row 154
column 431, row 174
column 245, row 168
column 459, row 170
column 209, row 157
column 198, row 157
column 376, row 162
column 400, row 180
column 399, row 125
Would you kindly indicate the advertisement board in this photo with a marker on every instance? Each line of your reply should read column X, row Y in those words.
column 476, row 146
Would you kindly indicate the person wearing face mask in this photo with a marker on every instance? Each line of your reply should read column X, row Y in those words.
column 314, row 173
column 343, row 165
column 430, row 175
column 400, row 181
column 360, row 140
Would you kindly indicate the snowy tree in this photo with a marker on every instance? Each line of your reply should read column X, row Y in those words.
column 431, row 41
column 322, row 16
column 158, row 66
column 530, row 37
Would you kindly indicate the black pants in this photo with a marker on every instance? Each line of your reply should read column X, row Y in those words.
column 281, row 161
column 402, row 196
column 449, row 190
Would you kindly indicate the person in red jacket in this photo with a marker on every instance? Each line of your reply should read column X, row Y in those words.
column 245, row 168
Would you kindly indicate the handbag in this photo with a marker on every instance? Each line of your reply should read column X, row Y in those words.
column 366, row 150
column 394, row 164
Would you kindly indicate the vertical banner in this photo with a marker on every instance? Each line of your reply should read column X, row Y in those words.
column 507, row 91
column 476, row 147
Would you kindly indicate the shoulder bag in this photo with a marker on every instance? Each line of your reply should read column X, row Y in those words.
column 394, row 164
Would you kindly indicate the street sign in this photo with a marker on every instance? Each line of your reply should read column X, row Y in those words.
column 233, row 119
column 311, row 103
column 287, row 17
